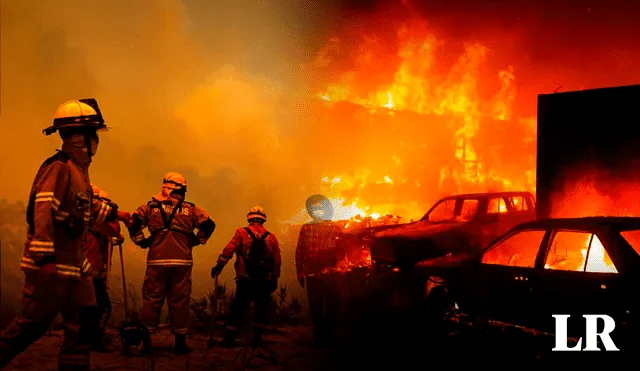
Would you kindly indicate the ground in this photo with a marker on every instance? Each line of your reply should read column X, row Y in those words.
column 290, row 345
column 371, row 348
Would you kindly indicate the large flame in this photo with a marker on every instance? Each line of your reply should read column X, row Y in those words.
column 417, row 84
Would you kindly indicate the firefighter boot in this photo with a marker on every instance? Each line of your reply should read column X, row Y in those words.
column 181, row 346
column 229, row 340
column 256, row 340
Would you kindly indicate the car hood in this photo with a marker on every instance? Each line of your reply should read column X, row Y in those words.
column 451, row 260
column 417, row 230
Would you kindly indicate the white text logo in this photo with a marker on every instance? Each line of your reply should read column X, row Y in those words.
column 591, row 332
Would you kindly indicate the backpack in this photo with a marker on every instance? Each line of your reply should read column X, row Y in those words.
column 259, row 262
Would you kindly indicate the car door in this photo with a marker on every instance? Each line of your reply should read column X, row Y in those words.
column 576, row 277
column 503, row 278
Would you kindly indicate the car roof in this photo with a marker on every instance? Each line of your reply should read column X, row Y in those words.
column 487, row 194
column 585, row 223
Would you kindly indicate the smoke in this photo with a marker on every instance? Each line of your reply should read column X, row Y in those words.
column 205, row 88
column 220, row 91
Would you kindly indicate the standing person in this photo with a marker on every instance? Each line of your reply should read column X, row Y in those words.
column 257, row 265
column 171, row 222
column 316, row 252
column 98, row 249
column 56, row 271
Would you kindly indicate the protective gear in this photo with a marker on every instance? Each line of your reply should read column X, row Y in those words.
column 171, row 223
column 77, row 113
column 43, row 298
column 77, row 119
column 257, row 213
column 58, row 216
column 251, row 289
column 174, row 180
column 240, row 245
column 215, row 271
column 170, row 282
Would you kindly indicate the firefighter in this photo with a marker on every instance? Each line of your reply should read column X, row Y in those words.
column 317, row 252
column 56, row 271
column 98, row 249
column 257, row 265
column 171, row 222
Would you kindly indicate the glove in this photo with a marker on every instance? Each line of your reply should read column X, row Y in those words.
column 215, row 271
column 125, row 217
column 146, row 243
column 272, row 284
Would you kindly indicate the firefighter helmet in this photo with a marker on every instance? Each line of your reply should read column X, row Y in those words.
column 77, row 113
column 174, row 180
column 257, row 212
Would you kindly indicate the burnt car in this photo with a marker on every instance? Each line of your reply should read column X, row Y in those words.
column 540, row 268
column 455, row 224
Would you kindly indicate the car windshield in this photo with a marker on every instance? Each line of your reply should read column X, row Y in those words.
column 445, row 211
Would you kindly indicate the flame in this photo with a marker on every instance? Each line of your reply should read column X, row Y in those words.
column 598, row 259
column 415, row 84
column 595, row 259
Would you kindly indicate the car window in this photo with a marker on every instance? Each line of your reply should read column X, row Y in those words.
column 469, row 209
column 445, row 210
column 518, row 203
column 517, row 250
column 579, row 252
column 633, row 238
column 497, row 206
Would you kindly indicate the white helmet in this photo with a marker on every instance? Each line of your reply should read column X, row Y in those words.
column 257, row 212
column 174, row 180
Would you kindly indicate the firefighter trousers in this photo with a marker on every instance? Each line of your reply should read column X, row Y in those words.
column 174, row 284
column 43, row 297
column 96, row 317
column 322, row 307
column 250, row 291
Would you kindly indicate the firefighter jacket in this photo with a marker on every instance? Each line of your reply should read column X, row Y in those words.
column 58, row 214
column 240, row 245
column 98, row 246
column 318, row 247
column 171, row 224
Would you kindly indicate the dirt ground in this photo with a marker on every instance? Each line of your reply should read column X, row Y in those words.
column 290, row 346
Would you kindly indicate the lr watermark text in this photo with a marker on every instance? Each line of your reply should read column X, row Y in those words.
column 591, row 333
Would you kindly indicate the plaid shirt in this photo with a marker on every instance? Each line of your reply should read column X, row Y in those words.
column 318, row 247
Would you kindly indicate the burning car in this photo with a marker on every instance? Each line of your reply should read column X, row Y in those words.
column 539, row 268
column 455, row 224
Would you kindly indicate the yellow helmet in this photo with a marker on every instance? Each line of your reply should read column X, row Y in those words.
column 174, row 180
column 257, row 212
column 77, row 113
